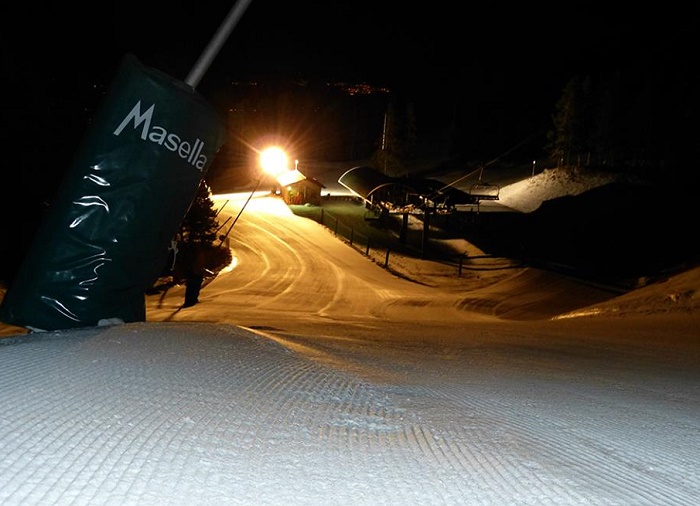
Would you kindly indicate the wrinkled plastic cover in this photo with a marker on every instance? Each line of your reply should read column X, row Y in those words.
column 105, row 238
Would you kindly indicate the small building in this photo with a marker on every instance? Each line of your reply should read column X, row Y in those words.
column 302, row 190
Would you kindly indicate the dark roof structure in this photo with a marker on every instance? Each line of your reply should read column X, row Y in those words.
column 402, row 193
column 364, row 181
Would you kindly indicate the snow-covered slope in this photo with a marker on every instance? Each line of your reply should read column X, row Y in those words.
column 527, row 195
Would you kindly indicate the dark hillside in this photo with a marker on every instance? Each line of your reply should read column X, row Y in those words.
column 616, row 231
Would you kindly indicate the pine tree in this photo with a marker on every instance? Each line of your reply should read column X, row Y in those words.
column 200, row 225
column 196, row 236
column 389, row 157
column 604, row 137
column 569, row 139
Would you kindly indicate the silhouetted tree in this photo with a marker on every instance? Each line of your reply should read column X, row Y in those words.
column 605, row 134
column 195, row 255
column 200, row 225
column 398, row 139
column 640, row 117
column 569, row 139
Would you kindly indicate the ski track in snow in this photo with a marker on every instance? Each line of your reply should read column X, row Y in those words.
column 539, row 440
column 234, row 417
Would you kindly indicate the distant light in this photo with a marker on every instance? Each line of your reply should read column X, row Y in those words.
column 274, row 161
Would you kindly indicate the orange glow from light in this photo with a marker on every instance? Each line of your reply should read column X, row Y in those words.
column 261, row 202
column 274, row 161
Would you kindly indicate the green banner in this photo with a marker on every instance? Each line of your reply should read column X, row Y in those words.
column 105, row 238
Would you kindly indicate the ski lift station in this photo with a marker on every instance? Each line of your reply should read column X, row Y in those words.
column 412, row 195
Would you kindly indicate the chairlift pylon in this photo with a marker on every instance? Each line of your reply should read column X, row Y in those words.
column 483, row 190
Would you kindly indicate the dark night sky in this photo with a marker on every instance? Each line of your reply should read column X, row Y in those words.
column 406, row 47
column 484, row 57
column 505, row 52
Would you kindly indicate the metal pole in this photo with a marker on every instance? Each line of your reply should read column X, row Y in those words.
column 216, row 42
column 221, row 208
column 223, row 224
column 240, row 212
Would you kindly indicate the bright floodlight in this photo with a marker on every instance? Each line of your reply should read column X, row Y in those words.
column 273, row 161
